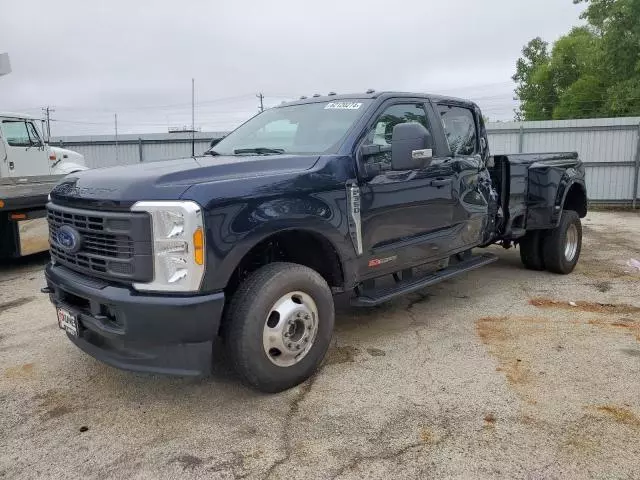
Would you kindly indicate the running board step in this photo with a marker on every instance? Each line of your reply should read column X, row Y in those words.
column 370, row 298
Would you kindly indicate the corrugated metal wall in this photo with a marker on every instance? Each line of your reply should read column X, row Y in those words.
column 610, row 148
column 105, row 153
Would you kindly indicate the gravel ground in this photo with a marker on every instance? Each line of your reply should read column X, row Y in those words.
column 493, row 375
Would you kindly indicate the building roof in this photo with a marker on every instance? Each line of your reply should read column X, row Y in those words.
column 130, row 137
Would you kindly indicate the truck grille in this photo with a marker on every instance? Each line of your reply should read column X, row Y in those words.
column 115, row 246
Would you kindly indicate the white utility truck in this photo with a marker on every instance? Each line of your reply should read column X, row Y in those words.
column 29, row 168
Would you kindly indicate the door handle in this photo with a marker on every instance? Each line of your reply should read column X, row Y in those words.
column 440, row 182
column 11, row 165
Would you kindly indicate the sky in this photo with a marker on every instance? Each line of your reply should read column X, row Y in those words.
column 90, row 60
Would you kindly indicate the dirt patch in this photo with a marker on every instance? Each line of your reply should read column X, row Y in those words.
column 338, row 355
column 18, row 302
column 426, row 435
column 376, row 352
column 54, row 404
column 602, row 286
column 620, row 415
column 501, row 335
column 582, row 306
column 58, row 411
column 188, row 462
column 20, row 371
column 631, row 326
column 490, row 421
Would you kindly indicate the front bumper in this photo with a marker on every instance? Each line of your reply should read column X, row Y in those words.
column 144, row 333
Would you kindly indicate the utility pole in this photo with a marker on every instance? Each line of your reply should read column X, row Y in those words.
column 193, row 117
column 261, row 97
column 5, row 64
column 47, row 114
column 115, row 118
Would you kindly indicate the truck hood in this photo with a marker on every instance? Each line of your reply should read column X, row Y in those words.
column 167, row 180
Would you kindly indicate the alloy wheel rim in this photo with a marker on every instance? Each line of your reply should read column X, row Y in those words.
column 571, row 243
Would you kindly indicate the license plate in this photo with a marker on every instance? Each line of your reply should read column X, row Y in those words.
column 67, row 321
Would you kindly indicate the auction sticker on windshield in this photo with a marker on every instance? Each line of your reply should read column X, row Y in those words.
column 343, row 106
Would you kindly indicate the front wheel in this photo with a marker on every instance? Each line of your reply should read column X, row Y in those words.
column 561, row 246
column 279, row 325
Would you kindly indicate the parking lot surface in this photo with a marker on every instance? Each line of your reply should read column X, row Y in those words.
column 501, row 373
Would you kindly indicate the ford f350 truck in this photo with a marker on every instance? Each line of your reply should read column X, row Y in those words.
column 371, row 195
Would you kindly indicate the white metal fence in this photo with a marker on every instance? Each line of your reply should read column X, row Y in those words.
column 106, row 151
column 610, row 148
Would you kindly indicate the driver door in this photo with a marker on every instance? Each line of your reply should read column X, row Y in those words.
column 406, row 215
column 26, row 155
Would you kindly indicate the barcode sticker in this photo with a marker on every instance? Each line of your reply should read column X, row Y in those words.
column 343, row 106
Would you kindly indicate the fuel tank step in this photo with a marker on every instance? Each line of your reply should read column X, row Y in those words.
column 373, row 297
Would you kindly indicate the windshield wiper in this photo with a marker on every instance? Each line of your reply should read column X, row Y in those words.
column 259, row 150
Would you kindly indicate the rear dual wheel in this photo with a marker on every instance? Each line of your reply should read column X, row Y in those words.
column 556, row 250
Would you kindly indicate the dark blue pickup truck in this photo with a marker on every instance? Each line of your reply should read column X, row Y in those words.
column 370, row 195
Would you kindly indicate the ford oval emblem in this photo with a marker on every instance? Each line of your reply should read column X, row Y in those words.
column 69, row 239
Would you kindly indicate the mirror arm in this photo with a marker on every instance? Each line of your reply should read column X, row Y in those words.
column 369, row 150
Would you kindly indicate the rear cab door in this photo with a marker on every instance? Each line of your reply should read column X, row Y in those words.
column 406, row 215
column 463, row 128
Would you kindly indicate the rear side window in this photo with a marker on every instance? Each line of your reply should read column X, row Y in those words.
column 460, row 129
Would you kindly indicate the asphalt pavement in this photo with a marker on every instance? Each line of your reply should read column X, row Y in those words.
column 501, row 373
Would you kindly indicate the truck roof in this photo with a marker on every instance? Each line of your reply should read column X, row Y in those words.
column 371, row 94
column 17, row 115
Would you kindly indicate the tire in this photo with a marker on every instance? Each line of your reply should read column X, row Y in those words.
column 531, row 250
column 255, row 331
column 561, row 246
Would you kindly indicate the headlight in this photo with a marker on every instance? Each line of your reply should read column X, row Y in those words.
column 178, row 245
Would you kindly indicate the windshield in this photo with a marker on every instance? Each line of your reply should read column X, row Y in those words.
column 310, row 128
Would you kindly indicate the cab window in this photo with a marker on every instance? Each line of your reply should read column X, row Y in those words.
column 16, row 133
column 460, row 129
column 382, row 130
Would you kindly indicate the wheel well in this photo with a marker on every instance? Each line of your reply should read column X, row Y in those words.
column 296, row 246
column 576, row 200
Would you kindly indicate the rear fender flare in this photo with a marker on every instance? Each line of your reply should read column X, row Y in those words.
column 563, row 191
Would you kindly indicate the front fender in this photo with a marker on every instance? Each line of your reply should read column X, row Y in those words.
column 232, row 231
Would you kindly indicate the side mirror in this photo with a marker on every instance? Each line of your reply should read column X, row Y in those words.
column 411, row 146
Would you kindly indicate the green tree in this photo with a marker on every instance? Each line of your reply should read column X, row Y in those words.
column 593, row 71
column 617, row 23
column 534, row 86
